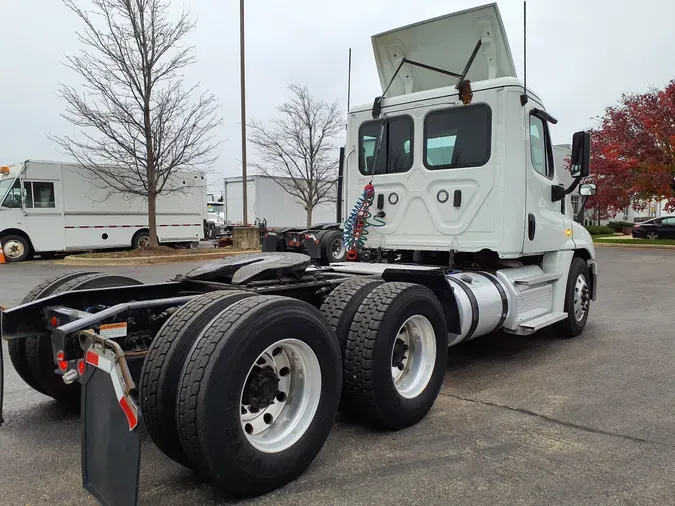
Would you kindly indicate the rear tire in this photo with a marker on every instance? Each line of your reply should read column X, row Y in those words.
column 652, row 236
column 17, row 347
column 160, row 377
column 39, row 352
column 577, row 300
column 340, row 307
column 389, row 385
column 141, row 239
column 332, row 247
column 217, row 384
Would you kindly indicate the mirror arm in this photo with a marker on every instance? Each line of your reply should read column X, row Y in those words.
column 558, row 192
column 573, row 186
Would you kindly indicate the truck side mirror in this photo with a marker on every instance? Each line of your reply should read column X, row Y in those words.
column 588, row 190
column 581, row 155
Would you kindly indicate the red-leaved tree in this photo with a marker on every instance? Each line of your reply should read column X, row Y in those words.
column 633, row 152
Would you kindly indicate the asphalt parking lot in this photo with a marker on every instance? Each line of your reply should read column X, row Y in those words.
column 532, row 420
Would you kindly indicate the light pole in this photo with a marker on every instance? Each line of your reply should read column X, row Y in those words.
column 242, row 61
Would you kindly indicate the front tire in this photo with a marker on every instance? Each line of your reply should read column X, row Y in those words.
column 15, row 248
column 239, row 418
column 577, row 300
column 396, row 355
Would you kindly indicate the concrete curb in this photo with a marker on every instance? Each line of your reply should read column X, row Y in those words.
column 633, row 246
column 75, row 260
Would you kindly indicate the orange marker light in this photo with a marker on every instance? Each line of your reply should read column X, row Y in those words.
column 568, row 232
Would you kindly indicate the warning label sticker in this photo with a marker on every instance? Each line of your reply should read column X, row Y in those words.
column 112, row 330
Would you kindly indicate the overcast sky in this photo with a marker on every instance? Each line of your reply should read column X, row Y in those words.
column 582, row 54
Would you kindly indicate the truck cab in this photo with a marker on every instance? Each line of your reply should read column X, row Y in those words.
column 461, row 168
column 453, row 166
column 31, row 213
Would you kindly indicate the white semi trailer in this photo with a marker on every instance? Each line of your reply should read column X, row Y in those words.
column 48, row 207
column 268, row 202
column 457, row 226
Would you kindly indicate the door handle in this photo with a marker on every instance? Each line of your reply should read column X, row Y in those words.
column 531, row 226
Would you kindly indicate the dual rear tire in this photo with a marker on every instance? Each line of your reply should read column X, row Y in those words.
column 33, row 357
column 243, row 388
column 393, row 338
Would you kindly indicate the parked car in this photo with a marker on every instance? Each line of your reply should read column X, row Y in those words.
column 656, row 228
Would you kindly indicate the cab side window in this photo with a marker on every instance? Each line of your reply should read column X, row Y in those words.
column 540, row 147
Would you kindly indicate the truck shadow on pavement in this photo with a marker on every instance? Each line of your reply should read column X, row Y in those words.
column 498, row 347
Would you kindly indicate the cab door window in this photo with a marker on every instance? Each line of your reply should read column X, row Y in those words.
column 540, row 147
column 13, row 197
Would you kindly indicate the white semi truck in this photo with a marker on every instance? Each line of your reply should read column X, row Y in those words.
column 48, row 207
column 457, row 227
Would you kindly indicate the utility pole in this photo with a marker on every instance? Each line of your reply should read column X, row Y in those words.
column 242, row 60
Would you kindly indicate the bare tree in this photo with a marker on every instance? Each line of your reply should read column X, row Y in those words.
column 297, row 151
column 139, row 124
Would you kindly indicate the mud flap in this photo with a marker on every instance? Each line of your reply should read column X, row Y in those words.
column 111, row 442
column 2, row 383
column 312, row 247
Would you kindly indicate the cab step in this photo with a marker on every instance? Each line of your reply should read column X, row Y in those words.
column 542, row 321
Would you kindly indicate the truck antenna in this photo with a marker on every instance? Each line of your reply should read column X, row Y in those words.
column 349, row 79
column 523, row 97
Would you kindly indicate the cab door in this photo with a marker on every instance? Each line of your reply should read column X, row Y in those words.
column 43, row 215
column 544, row 227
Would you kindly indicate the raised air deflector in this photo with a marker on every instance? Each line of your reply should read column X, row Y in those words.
column 447, row 43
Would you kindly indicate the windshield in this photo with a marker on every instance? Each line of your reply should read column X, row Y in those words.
column 5, row 184
column 215, row 208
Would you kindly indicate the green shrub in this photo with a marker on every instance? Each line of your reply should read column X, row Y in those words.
column 618, row 226
column 599, row 230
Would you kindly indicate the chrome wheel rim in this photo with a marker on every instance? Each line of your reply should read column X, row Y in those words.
column 413, row 356
column 652, row 236
column 144, row 241
column 581, row 297
column 280, row 396
column 13, row 249
column 337, row 248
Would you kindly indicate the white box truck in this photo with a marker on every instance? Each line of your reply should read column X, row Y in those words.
column 267, row 201
column 53, row 207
